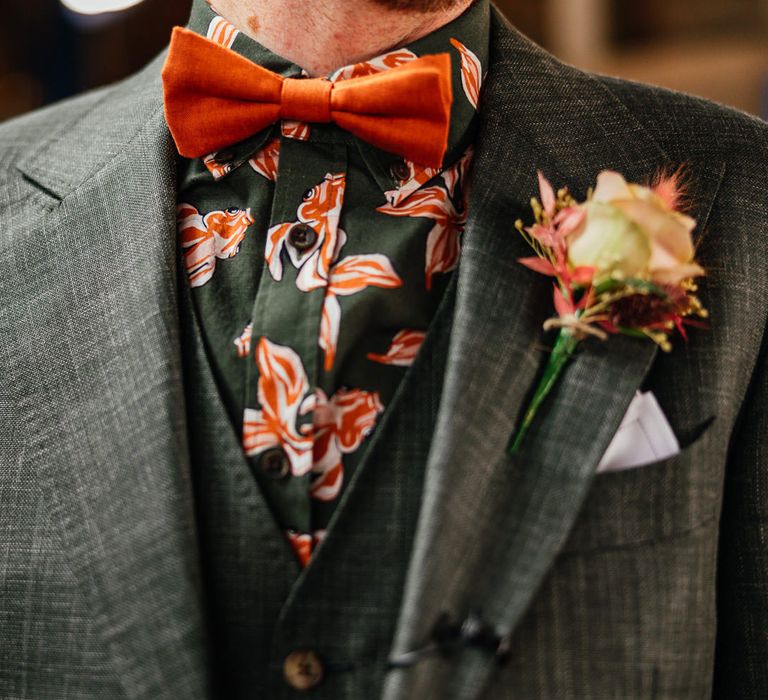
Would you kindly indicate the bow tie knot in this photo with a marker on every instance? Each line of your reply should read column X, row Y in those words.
column 215, row 98
column 306, row 100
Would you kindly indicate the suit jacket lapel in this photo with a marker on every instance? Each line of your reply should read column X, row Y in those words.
column 106, row 412
column 491, row 525
column 110, row 365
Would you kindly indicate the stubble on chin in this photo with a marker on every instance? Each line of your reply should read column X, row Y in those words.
column 418, row 5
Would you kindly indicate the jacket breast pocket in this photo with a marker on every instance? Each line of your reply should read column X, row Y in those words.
column 653, row 502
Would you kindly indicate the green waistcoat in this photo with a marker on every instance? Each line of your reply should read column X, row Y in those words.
column 344, row 606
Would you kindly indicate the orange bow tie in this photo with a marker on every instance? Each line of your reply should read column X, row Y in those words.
column 215, row 98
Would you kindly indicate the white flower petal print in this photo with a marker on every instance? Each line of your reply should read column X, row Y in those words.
column 284, row 396
column 314, row 269
column 457, row 173
column 391, row 59
column 217, row 234
column 330, row 323
column 320, row 209
column 351, row 275
column 471, row 73
column 299, row 131
column 403, row 349
column 418, row 176
column 217, row 169
column 321, row 205
column 327, row 486
column 222, row 32
column 228, row 228
column 340, row 426
column 356, row 414
column 355, row 273
column 443, row 240
column 243, row 341
column 267, row 161
column 326, row 453
column 197, row 243
column 276, row 237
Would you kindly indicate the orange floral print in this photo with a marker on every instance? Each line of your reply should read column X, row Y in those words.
column 471, row 72
column 204, row 238
column 301, row 543
column 300, row 131
column 457, row 175
column 243, row 341
column 403, row 350
column 392, row 59
column 222, row 32
column 284, row 395
column 350, row 276
column 267, row 160
column 216, row 167
column 443, row 240
column 340, row 424
column 320, row 209
column 304, row 544
column 418, row 177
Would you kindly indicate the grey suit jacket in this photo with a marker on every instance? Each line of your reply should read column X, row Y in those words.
column 649, row 583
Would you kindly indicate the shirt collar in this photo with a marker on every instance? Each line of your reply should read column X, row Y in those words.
column 465, row 39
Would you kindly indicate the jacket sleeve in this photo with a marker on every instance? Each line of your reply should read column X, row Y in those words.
column 741, row 661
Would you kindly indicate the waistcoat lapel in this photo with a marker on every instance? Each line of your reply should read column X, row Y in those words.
column 105, row 410
column 248, row 566
column 345, row 604
column 491, row 525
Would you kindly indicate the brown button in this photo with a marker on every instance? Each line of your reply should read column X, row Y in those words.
column 303, row 670
column 399, row 171
column 302, row 236
column 275, row 463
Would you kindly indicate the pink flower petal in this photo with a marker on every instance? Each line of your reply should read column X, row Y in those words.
column 583, row 275
column 548, row 199
column 539, row 265
column 570, row 220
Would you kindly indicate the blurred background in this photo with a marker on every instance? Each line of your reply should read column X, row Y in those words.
column 50, row 49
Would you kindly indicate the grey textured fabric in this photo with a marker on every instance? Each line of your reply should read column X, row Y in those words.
column 651, row 583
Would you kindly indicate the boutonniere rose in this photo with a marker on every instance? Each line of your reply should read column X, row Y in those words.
column 622, row 262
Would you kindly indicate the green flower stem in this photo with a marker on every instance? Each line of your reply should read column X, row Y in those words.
column 565, row 346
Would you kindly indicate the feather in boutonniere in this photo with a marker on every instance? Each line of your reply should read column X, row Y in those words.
column 622, row 263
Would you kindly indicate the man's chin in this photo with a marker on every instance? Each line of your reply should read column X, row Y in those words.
column 418, row 5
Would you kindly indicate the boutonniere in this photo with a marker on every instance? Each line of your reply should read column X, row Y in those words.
column 622, row 263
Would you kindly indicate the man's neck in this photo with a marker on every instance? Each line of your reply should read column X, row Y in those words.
column 322, row 35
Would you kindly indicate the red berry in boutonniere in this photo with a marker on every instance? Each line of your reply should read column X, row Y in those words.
column 622, row 263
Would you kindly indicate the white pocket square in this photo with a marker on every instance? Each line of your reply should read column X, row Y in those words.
column 643, row 437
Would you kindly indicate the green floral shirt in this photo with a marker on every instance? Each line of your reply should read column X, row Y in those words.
column 316, row 263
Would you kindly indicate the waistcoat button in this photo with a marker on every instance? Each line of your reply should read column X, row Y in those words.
column 303, row 670
column 275, row 464
column 302, row 237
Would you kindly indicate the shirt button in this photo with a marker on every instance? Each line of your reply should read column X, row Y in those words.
column 275, row 464
column 303, row 670
column 399, row 170
column 302, row 236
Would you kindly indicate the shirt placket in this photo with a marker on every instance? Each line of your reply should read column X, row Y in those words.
column 303, row 240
